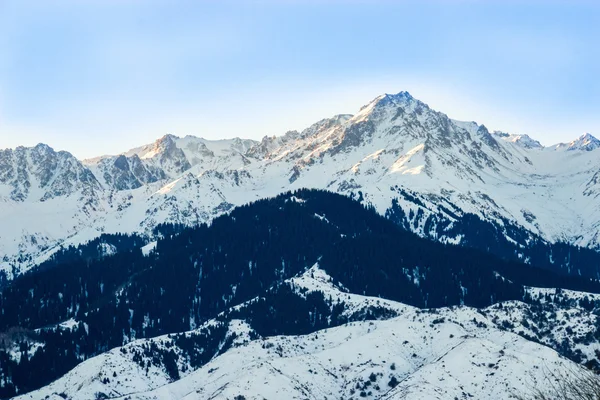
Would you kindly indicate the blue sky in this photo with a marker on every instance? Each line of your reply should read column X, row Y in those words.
column 101, row 76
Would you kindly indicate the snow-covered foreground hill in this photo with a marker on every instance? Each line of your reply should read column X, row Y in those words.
column 404, row 358
column 394, row 151
column 446, row 353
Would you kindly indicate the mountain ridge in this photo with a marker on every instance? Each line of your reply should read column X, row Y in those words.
column 394, row 140
column 288, row 266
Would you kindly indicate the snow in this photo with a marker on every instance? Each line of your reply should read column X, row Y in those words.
column 401, row 145
column 330, row 364
column 584, row 142
column 106, row 249
column 321, row 217
column 412, row 155
column 69, row 324
column 552, row 325
column 149, row 248
column 442, row 162
column 445, row 353
column 561, row 293
column 296, row 199
column 522, row 140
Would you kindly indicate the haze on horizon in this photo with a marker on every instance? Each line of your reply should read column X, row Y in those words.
column 99, row 77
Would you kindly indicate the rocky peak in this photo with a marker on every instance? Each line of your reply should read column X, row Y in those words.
column 122, row 163
column 523, row 140
column 43, row 173
column 242, row 145
column 487, row 137
column 126, row 172
column 585, row 142
column 171, row 158
column 324, row 124
column 166, row 141
column 270, row 143
column 401, row 101
column 376, row 106
column 400, row 97
column 42, row 148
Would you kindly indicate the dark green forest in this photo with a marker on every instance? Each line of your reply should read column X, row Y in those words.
column 196, row 273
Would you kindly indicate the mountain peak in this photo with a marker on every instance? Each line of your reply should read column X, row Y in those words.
column 168, row 138
column 394, row 99
column 43, row 147
column 386, row 101
column 387, row 98
column 585, row 142
column 522, row 140
column 342, row 117
column 403, row 95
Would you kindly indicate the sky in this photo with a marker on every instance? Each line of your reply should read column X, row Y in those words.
column 101, row 76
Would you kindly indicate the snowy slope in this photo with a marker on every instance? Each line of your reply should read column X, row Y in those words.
column 394, row 148
column 418, row 354
column 448, row 361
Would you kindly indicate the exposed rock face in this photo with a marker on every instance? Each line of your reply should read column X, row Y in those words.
column 39, row 173
column 585, row 142
column 172, row 157
column 122, row 172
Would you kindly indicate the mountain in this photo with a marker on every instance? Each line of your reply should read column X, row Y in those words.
column 585, row 142
column 291, row 265
column 391, row 254
column 389, row 351
column 45, row 196
column 168, row 158
column 433, row 175
column 50, row 199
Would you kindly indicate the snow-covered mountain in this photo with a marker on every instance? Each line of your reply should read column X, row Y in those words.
column 168, row 158
column 395, row 152
column 305, row 295
column 39, row 174
column 442, row 354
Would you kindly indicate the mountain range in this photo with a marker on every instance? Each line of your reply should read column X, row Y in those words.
column 394, row 151
column 391, row 254
column 305, row 295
